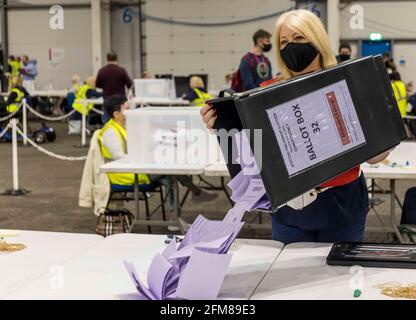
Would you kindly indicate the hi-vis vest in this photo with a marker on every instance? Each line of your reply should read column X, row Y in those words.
column 12, row 107
column 124, row 179
column 399, row 90
column 15, row 66
column 80, row 96
column 202, row 97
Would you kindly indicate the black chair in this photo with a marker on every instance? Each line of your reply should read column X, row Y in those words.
column 144, row 189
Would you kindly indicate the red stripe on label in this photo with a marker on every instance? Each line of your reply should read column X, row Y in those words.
column 339, row 120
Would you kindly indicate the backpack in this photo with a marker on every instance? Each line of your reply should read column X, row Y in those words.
column 236, row 81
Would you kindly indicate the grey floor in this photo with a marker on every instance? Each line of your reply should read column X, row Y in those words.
column 52, row 204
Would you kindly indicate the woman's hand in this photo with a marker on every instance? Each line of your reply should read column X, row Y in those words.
column 208, row 116
column 380, row 157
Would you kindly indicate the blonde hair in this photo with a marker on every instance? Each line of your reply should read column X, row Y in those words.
column 310, row 26
column 196, row 82
column 75, row 79
column 90, row 81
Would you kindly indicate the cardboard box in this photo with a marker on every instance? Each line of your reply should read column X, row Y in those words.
column 314, row 127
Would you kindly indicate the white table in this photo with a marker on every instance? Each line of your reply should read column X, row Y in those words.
column 174, row 170
column 218, row 169
column 404, row 152
column 160, row 102
column 97, row 272
column 45, row 250
column 45, row 93
column 301, row 272
column 50, row 93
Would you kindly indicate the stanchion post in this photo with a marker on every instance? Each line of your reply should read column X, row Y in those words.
column 14, row 156
column 83, row 125
column 24, row 121
column 15, row 191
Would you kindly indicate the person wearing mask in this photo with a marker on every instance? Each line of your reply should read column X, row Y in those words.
column 16, row 95
column 113, row 141
column 197, row 95
column 255, row 67
column 29, row 73
column 113, row 80
column 389, row 63
column 344, row 52
column 338, row 213
column 399, row 89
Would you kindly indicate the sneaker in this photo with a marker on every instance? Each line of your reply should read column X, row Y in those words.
column 173, row 228
column 204, row 196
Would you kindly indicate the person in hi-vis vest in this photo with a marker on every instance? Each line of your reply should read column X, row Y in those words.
column 113, row 142
column 400, row 92
column 197, row 95
column 82, row 93
column 16, row 95
column 86, row 91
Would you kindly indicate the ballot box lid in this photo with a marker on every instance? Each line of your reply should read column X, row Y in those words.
column 313, row 127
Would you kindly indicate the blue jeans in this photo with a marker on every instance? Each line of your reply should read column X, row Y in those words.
column 289, row 234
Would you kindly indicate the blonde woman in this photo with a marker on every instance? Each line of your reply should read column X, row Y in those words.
column 197, row 95
column 339, row 213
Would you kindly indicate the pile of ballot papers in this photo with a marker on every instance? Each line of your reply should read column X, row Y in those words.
column 176, row 272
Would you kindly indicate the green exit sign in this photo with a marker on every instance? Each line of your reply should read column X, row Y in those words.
column 376, row 36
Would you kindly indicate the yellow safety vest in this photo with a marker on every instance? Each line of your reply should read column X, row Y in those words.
column 79, row 104
column 15, row 65
column 124, row 179
column 202, row 97
column 399, row 90
column 76, row 87
column 12, row 107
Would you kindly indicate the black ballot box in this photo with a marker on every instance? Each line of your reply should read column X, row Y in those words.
column 313, row 127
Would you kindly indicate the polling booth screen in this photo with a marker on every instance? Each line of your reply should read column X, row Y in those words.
column 316, row 126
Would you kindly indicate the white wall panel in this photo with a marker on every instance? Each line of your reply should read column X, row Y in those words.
column 29, row 33
column 213, row 50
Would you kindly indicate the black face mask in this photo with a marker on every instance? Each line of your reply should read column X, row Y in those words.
column 297, row 56
column 344, row 57
column 267, row 47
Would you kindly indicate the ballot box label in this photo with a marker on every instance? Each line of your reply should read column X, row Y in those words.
column 316, row 127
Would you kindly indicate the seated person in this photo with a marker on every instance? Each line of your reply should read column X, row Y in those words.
column 197, row 95
column 16, row 95
column 113, row 142
column 86, row 91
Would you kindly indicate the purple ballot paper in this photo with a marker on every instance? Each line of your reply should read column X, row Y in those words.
column 194, row 286
column 176, row 272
